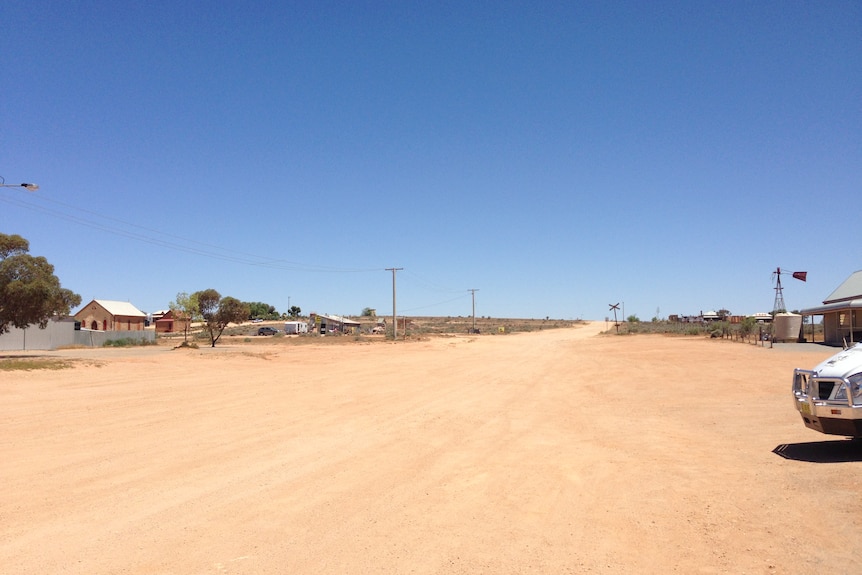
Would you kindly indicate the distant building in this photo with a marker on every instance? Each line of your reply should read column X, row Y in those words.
column 333, row 324
column 172, row 322
column 842, row 312
column 108, row 315
column 157, row 315
column 696, row 319
column 710, row 316
column 675, row 318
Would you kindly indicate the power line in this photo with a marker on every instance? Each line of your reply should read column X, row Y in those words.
column 428, row 283
column 460, row 297
column 146, row 235
column 188, row 245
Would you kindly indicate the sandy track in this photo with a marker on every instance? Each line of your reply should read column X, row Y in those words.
column 551, row 452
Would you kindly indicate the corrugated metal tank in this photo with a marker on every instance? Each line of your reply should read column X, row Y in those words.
column 786, row 327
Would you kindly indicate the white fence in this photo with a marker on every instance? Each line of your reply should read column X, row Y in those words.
column 63, row 334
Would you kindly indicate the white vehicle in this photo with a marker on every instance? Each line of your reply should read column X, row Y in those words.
column 829, row 397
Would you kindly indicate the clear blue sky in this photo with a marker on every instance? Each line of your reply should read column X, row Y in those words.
column 556, row 156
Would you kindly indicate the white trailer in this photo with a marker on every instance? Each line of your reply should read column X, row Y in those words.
column 829, row 397
column 295, row 327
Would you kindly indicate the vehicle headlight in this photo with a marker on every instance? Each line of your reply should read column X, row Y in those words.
column 854, row 386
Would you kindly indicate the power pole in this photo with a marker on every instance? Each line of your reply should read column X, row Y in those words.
column 394, row 316
column 473, row 292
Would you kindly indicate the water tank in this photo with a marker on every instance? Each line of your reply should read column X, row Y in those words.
column 786, row 327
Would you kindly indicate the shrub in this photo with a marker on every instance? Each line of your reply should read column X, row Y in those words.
column 127, row 342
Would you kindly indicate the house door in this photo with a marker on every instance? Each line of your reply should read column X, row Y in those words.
column 94, row 325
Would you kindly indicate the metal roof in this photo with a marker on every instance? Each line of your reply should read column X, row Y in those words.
column 849, row 290
column 120, row 308
column 836, row 306
column 338, row 319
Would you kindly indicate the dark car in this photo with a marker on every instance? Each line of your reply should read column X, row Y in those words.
column 266, row 330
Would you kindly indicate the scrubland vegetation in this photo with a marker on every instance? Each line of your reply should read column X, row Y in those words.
column 747, row 330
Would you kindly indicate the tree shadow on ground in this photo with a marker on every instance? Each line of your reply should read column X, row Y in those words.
column 839, row 451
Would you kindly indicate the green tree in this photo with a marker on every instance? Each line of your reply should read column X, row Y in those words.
column 218, row 312
column 294, row 311
column 633, row 319
column 186, row 308
column 369, row 312
column 260, row 310
column 746, row 328
column 29, row 291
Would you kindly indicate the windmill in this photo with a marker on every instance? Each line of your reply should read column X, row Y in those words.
column 778, row 306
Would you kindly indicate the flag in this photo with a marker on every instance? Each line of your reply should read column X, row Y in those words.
column 800, row 275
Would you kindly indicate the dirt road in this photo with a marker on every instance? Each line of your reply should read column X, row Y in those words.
column 559, row 451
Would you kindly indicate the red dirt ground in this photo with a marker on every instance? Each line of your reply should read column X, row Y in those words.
column 560, row 451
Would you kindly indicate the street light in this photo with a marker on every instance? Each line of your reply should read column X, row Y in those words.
column 28, row 187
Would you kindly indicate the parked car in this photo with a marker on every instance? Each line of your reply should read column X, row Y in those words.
column 266, row 330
